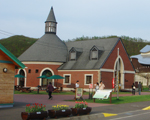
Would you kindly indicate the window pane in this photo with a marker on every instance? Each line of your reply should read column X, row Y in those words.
column 67, row 79
column 73, row 56
column 94, row 54
column 88, row 79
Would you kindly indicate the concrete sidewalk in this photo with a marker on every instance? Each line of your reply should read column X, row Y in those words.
column 98, row 109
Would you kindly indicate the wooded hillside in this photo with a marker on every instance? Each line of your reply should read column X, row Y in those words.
column 18, row 44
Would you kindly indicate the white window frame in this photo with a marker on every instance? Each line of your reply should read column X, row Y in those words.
column 85, row 78
column 69, row 80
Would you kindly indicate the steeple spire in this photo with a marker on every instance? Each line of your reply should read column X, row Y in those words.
column 50, row 23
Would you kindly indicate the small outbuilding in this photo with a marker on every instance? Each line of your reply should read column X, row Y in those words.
column 8, row 64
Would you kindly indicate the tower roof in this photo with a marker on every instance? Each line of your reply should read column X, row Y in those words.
column 51, row 16
column 49, row 48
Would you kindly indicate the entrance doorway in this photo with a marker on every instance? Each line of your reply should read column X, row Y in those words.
column 119, row 66
column 44, row 81
column 21, row 80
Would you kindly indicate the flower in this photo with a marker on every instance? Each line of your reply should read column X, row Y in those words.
column 60, row 107
column 81, row 104
column 35, row 108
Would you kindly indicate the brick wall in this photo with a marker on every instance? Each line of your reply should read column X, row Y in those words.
column 32, row 80
column 109, row 64
column 78, row 75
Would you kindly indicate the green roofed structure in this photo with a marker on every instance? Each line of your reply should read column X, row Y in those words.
column 8, row 64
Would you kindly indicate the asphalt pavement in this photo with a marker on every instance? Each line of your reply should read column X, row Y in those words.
column 99, row 111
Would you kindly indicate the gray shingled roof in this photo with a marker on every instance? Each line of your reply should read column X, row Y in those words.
column 51, row 16
column 143, row 58
column 49, row 48
column 145, row 49
column 83, row 62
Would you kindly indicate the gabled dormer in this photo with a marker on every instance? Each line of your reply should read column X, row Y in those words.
column 50, row 23
column 74, row 53
column 95, row 52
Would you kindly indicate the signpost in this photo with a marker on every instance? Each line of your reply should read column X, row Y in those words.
column 117, row 84
column 103, row 94
column 78, row 93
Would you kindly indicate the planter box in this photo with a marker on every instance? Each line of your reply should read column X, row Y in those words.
column 59, row 113
column 35, row 115
column 81, row 111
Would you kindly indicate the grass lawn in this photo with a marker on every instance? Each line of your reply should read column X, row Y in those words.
column 61, row 93
column 122, row 100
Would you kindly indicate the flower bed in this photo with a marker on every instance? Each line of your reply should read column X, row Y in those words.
column 81, row 108
column 35, row 111
column 59, row 111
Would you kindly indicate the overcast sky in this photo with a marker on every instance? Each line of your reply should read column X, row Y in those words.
column 76, row 18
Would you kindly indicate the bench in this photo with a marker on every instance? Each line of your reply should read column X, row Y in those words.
column 25, row 89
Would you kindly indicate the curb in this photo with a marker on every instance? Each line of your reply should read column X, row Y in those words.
column 82, row 117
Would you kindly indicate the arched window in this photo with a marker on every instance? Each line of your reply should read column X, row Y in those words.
column 21, row 80
column 45, row 81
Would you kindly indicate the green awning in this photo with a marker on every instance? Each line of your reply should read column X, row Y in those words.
column 19, row 76
column 43, row 76
column 56, row 77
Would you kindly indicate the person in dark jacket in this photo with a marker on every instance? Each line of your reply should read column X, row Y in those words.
column 50, row 90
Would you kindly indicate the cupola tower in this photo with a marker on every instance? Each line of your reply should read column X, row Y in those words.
column 50, row 23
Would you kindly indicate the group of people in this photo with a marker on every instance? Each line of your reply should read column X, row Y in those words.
column 134, row 88
column 100, row 86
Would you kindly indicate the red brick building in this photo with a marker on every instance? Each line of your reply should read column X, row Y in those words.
column 88, row 61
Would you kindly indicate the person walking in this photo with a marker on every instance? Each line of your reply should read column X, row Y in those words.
column 139, row 88
column 133, row 89
column 101, row 86
column 50, row 90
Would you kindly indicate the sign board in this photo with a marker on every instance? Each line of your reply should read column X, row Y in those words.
column 90, row 85
column 79, row 92
column 102, row 94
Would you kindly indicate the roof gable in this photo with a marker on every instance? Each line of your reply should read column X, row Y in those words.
column 12, row 57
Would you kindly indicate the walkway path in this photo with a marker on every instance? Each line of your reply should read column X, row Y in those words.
column 21, row 100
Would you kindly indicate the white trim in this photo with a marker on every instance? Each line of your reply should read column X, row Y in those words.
column 119, row 57
column 107, row 70
column 48, row 63
column 69, row 79
column 76, row 70
column 43, row 71
column 85, row 78
column 25, row 79
column 126, row 71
